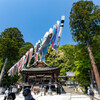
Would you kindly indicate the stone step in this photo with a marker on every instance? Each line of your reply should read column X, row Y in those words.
column 69, row 89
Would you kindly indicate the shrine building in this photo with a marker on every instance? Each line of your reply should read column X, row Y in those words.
column 40, row 73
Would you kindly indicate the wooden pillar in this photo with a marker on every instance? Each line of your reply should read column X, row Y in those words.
column 35, row 78
column 51, row 77
column 55, row 76
column 27, row 79
column 43, row 79
column 23, row 78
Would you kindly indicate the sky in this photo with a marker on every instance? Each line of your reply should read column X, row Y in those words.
column 34, row 17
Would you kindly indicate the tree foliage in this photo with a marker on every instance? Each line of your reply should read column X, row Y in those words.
column 84, row 19
column 11, row 40
column 64, row 58
column 12, row 46
column 84, row 24
column 25, row 47
column 95, row 44
column 82, row 65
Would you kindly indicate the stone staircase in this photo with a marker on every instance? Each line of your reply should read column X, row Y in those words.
column 68, row 89
column 71, row 90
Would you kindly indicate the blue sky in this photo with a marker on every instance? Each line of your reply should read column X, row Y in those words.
column 34, row 17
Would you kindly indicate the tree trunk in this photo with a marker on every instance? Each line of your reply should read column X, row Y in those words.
column 94, row 67
column 91, row 79
column 2, row 71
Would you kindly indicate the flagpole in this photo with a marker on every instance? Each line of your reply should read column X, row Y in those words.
column 60, row 33
column 3, row 69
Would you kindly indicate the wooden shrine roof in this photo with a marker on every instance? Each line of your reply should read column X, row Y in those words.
column 40, row 67
column 40, row 64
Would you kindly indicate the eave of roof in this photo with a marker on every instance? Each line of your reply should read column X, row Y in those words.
column 39, row 69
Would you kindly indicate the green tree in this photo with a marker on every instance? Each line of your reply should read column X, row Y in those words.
column 82, row 65
column 64, row 58
column 10, row 42
column 95, row 44
column 26, row 46
column 84, row 19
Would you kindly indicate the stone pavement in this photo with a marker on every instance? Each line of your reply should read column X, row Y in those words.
column 67, row 96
